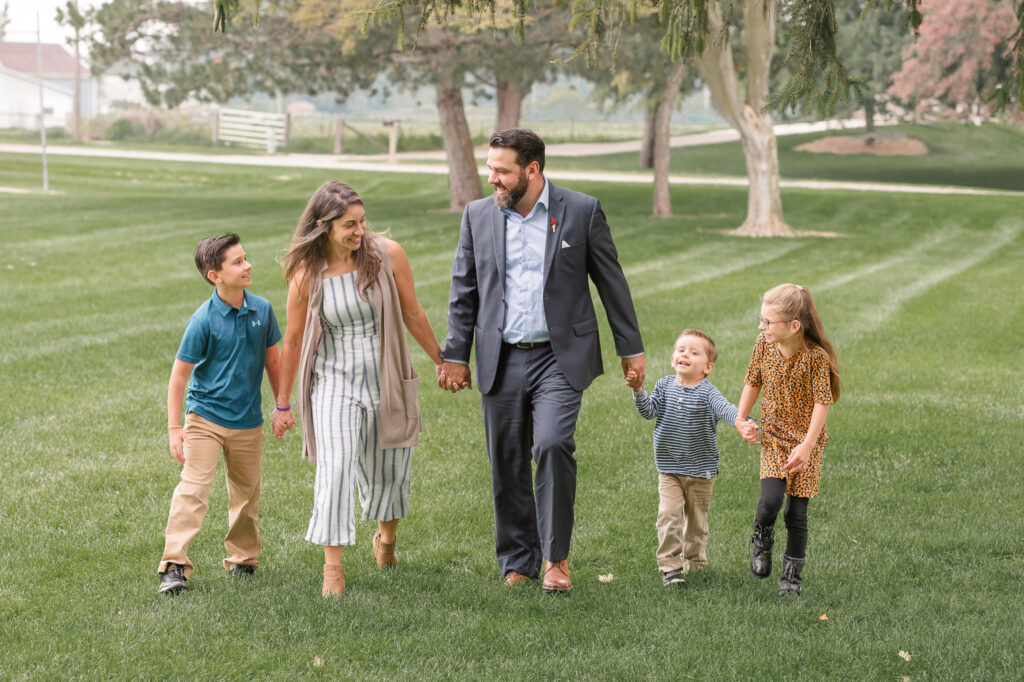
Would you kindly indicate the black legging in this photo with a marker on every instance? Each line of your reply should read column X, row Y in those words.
column 773, row 490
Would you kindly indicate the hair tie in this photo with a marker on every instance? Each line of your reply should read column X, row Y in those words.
column 319, row 222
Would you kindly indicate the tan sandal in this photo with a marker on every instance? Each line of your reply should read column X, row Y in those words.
column 334, row 580
column 384, row 552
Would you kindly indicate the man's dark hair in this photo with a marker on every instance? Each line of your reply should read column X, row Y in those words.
column 527, row 145
column 210, row 252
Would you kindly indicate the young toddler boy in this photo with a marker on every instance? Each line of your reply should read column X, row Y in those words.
column 686, row 408
column 228, row 343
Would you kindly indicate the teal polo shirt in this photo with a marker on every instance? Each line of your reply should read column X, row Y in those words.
column 228, row 348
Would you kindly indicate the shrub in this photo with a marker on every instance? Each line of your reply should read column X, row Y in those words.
column 121, row 129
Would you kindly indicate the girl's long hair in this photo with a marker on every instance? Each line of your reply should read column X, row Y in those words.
column 795, row 303
column 309, row 246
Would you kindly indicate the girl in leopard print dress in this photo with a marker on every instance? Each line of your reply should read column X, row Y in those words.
column 793, row 368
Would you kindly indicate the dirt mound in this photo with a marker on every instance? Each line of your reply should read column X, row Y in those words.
column 866, row 144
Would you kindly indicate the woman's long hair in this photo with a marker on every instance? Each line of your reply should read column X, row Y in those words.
column 795, row 303
column 309, row 247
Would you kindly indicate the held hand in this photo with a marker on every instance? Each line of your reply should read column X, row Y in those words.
column 637, row 367
column 631, row 381
column 282, row 421
column 454, row 377
column 178, row 441
column 275, row 426
column 748, row 430
column 752, row 432
column 798, row 459
column 289, row 422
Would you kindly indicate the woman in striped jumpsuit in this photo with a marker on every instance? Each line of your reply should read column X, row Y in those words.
column 350, row 299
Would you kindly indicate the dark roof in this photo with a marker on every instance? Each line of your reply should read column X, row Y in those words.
column 56, row 60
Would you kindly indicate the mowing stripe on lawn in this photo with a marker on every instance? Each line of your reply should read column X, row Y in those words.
column 707, row 271
column 884, row 308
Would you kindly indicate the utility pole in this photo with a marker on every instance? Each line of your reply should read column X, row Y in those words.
column 78, row 77
column 42, row 109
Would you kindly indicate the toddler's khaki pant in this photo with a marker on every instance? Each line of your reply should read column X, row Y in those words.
column 683, row 503
column 243, row 450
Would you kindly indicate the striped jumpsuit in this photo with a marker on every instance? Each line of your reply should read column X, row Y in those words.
column 345, row 400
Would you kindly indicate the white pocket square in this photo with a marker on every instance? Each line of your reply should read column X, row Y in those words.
column 565, row 244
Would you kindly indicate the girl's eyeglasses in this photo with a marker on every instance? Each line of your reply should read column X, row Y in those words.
column 766, row 322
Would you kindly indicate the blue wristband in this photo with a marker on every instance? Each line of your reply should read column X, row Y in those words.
column 282, row 409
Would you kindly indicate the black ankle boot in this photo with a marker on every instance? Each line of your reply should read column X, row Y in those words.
column 789, row 586
column 761, row 559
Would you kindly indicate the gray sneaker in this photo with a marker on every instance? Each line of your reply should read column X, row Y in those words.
column 173, row 580
column 672, row 577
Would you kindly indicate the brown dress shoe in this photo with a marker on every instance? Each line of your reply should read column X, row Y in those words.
column 334, row 580
column 513, row 579
column 556, row 576
column 384, row 552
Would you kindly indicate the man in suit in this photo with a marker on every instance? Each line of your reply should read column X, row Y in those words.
column 520, row 286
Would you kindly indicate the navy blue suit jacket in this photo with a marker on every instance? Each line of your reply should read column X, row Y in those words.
column 579, row 248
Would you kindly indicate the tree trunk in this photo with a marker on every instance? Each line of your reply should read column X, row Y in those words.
column 647, row 145
column 764, row 200
column 869, row 114
column 662, row 149
column 510, row 104
column 463, row 179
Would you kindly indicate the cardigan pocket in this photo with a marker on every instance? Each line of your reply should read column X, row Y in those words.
column 410, row 396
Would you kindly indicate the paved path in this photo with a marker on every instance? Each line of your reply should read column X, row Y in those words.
column 406, row 162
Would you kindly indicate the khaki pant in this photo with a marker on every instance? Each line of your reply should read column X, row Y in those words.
column 683, row 504
column 243, row 450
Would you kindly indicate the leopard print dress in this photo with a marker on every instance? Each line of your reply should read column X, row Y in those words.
column 790, row 387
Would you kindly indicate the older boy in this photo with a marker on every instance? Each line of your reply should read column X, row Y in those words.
column 228, row 343
column 687, row 408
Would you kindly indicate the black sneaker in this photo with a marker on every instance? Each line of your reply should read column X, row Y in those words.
column 672, row 577
column 242, row 570
column 173, row 580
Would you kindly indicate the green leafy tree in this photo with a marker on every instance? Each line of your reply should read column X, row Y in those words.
column 434, row 61
column 697, row 30
column 176, row 55
column 704, row 31
column 819, row 77
column 510, row 68
column 465, row 52
column 871, row 44
column 638, row 67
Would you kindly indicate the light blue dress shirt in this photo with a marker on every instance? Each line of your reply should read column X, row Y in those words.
column 525, row 241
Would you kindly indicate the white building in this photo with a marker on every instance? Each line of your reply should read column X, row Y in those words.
column 20, row 74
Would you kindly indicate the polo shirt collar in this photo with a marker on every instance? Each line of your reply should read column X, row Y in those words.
column 224, row 309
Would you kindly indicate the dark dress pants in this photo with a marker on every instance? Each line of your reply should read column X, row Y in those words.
column 530, row 414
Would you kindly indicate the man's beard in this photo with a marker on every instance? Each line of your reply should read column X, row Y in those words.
column 513, row 194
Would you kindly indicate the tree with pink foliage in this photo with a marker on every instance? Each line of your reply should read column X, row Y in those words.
column 962, row 54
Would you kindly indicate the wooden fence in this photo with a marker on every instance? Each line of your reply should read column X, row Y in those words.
column 252, row 128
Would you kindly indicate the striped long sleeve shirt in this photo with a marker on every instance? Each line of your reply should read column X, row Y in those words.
column 685, row 430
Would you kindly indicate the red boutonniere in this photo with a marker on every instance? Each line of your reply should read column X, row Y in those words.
column 554, row 224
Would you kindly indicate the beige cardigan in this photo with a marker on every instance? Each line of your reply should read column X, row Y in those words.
column 399, row 423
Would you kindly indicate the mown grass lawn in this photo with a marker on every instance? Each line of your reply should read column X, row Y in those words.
column 915, row 540
column 971, row 156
